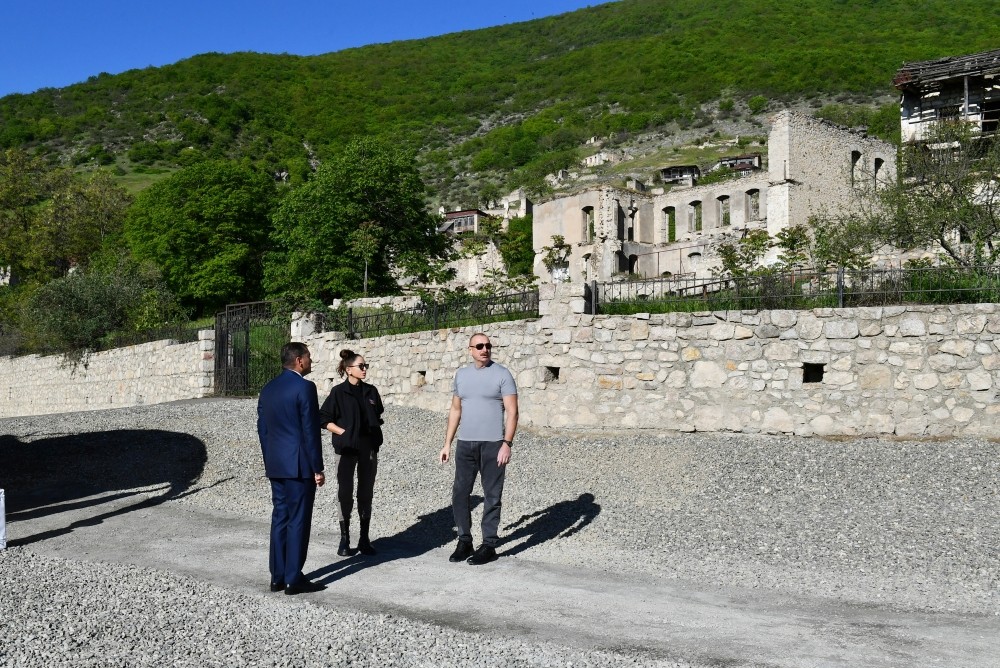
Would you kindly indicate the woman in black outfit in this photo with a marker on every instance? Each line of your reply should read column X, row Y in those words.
column 353, row 414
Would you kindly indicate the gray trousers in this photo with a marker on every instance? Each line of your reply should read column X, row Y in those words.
column 472, row 458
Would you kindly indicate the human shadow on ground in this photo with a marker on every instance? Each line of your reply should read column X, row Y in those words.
column 431, row 531
column 560, row 520
column 70, row 473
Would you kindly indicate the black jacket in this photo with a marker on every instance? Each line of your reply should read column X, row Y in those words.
column 361, row 421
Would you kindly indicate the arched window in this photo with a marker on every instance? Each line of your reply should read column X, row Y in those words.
column 633, row 263
column 670, row 223
column 723, row 205
column 587, row 233
column 752, row 205
column 694, row 216
column 855, row 159
column 879, row 162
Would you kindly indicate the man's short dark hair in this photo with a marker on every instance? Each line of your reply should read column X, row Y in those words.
column 290, row 351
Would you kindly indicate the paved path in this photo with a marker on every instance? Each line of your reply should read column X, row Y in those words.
column 662, row 618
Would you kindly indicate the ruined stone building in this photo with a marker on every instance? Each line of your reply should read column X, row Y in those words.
column 813, row 166
column 960, row 88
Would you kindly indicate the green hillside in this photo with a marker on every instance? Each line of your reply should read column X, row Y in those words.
column 511, row 103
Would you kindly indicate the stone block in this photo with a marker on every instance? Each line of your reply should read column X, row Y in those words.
column 925, row 381
column 777, row 421
column 875, row 377
column 690, row 354
column 912, row 326
column 974, row 324
column 838, row 378
column 870, row 327
column 809, row 328
column 979, row 381
column 841, row 329
column 960, row 347
column 781, row 351
column 722, row 331
column 962, row 414
column 639, row 331
column 707, row 375
column 942, row 362
column 784, row 319
column 768, row 332
column 742, row 332
column 562, row 336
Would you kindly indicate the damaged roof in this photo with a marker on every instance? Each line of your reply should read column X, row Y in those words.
column 919, row 73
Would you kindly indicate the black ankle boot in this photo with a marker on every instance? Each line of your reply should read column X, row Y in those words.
column 364, row 544
column 344, row 549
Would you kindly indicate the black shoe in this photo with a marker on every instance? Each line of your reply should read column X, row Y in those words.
column 277, row 586
column 462, row 552
column 483, row 555
column 365, row 548
column 304, row 587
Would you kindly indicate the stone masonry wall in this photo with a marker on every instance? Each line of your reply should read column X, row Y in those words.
column 913, row 371
column 149, row 373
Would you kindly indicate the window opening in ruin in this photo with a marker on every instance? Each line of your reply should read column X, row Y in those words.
column 879, row 162
column 633, row 263
column 991, row 116
column 421, row 378
column 855, row 159
column 694, row 216
column 963, row 235
column 670, row 222
column 723, row 201
column 588, row 223
column 753, row 205
column 550, row 374
column 812, row 372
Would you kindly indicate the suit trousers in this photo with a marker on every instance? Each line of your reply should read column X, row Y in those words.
column 365, row 463
column 472, row 458
column 291, row 522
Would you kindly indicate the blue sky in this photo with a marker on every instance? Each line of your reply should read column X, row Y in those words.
column 55, row 43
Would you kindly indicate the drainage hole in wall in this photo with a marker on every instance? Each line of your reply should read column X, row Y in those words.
column 812, row 372
column 551, row 374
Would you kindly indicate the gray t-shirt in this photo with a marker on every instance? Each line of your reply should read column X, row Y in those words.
column 482, row 392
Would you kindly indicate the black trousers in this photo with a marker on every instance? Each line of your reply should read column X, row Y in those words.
column 472, row 458
column 365, row 463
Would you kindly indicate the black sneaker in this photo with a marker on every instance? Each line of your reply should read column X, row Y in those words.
column 484, row 554
column 462, row 552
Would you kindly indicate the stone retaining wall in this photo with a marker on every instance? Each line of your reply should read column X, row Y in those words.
column 149, row 373
column 913, row 371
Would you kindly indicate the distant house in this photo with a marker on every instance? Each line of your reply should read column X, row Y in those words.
column 962, row 88
column 686, row 175
column 601, row 158
column 741, row 164
column 456, row 222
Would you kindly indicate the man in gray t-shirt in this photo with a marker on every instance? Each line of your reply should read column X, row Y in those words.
column 484, row 415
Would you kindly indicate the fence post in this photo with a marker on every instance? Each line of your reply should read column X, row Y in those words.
column 434, row 313
column 840, row 287
column 594, row 301
column 350, row 322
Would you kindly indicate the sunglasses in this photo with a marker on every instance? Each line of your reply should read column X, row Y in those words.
column 363, row 367
column 480, row 346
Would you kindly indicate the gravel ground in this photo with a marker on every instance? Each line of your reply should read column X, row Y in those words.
column 898, row 524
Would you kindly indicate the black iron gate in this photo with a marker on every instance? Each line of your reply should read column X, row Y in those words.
column 248, row 340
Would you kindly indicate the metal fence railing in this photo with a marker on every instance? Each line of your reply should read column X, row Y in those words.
column 802, row 289
column 456, row 311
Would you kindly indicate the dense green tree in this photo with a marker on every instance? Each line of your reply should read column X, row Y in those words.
column 24, row 185
column 206, row 228
column 516, row 247
column 81, row 216
column 79, row 312
column 369, row 181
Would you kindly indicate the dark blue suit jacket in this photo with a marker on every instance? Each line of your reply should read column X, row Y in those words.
column 288, row 426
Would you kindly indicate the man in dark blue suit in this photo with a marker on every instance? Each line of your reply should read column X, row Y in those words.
column 288, row 426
